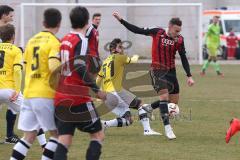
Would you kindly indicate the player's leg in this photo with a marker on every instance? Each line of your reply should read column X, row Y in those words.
column 123, row 120
column 28, row 123
column 161, row 84
column 211, row 53
column 41, row 138
column 44, row 111
column 121, row 110
column 94, row 128
column 64, row 143
column 21, row 148
column 11, row 115
column 95, row 146
column 217, row 66
column 66, row 132
column 136, row 103
column 10, row 119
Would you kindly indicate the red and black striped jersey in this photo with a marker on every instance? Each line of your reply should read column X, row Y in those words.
column 93, row 35
column 72, row 90
column 164, row 47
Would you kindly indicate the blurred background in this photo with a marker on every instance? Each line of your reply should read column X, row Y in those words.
column 191, row 16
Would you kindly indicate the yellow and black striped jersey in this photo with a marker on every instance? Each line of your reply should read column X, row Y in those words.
column 40, row 48
column 112, row 72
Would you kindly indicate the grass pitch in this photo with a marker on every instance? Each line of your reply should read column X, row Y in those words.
column 206, row 110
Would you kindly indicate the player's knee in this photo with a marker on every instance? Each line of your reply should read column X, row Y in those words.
column 98, row 136
column 128, row 117
column 135, row 104
column 164, row 96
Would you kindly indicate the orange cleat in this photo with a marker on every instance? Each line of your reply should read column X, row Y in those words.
column 233, row 129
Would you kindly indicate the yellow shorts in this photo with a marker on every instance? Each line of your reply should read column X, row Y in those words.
column 212, row 51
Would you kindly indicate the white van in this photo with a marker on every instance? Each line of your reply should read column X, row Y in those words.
column 228, row 19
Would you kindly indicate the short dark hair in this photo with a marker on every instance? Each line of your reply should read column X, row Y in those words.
column 52, row 17
column 114, row 43
column 5, row 9
column 175, row 21
column 7, row 32
column 96, row 15
column 79, row 17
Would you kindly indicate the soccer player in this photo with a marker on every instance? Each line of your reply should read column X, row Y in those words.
column 165, row 44
column 110, row 79
column 10, row 78
column 72, row 99
column 6, row 14
column 233, row 129
column 213, row 43
column 93, row 40
column 38, row 108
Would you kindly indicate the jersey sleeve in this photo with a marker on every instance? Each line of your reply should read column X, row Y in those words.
column 100, row 73
column 138, row 30
column 184, row 60
column 54, row 51
column 123, row 59
column 18, row 60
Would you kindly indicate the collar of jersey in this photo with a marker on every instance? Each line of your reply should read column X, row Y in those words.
column 80, row 34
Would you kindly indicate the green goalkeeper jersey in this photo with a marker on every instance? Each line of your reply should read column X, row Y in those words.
column 213, row 36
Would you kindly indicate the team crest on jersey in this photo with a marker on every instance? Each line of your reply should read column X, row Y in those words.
column 166, row 42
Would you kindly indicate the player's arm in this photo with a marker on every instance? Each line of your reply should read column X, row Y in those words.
column 99, row 77
column 80, row 65
column 17, row 74
column 53, row 58
column 185, row 63
column 135, row 29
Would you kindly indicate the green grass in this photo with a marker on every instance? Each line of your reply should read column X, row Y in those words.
column 213, row 101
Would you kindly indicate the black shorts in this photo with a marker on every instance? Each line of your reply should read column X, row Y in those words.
column 83, row 117
column 95, row 65
column 162, row 79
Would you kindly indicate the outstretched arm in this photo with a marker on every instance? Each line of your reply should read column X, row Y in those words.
column 133, row 28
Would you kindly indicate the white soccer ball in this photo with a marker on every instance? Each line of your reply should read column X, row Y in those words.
column 173, row 109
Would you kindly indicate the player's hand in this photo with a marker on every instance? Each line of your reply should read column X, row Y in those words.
column 117, row 16
column 14, row 96
column 134, row 58
column 102, row 95
column 190, row 81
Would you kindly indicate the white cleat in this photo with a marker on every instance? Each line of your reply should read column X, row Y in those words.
column 151, row 133
column 169, row 132
column 104, row 125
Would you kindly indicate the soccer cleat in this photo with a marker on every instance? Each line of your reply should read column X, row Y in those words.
column 151, row 133
column 104, row 125
column 169, row 132
column 12, row 140
column 220, row 75
column 233, row 129
column 147, row 108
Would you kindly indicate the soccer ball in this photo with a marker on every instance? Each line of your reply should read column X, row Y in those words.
column 173, row 109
